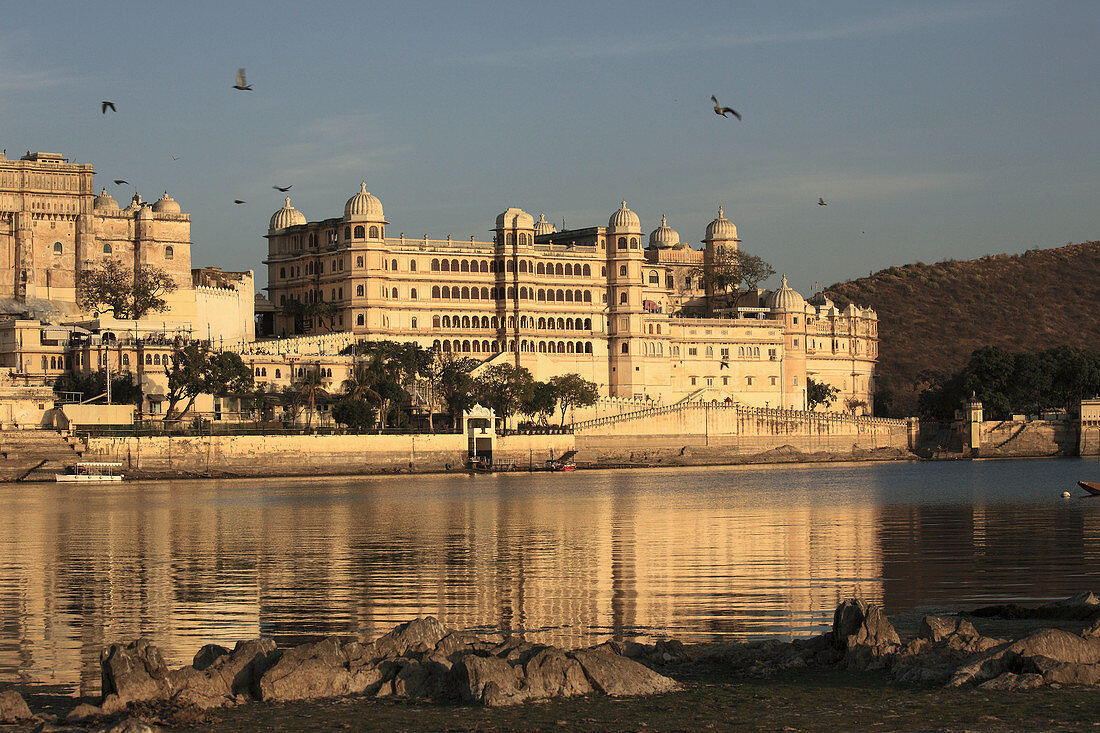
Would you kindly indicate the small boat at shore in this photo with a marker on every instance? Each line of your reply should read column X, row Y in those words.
column 564, row 463
column 91, row 472
column 1090, row 486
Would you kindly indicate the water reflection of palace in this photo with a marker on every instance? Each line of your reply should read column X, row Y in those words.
column 569, row 564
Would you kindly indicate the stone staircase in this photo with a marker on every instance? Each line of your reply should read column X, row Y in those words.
column 36, row 455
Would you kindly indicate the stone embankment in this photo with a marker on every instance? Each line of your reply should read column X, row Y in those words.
column 423, row 660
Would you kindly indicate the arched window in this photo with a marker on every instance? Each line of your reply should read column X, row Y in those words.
column 107, row 249
column 156, row 359
column 149, row 359
column 622, row 270
column 511, row 321
column 634, row 243
column 550, row 296
column 510, row 239
column 435, row 321
column 475, row 294
column 542, row 347
column 393, row 265
column 511, row 292
column 587, row 324
column 359, row 320
column 393, row 293
column 541, row 295
column 57, row 248
column 445, row 265
column 568, row 296
column 550, row 323
column 360, row 232
column 568, row 268
column 586, row 271
column 446, row 292
column 588, row 347
column 511, row 266
column 454, row 265
column 569, row 347
column 446, row 321
column 587, row 296
column 622, row 298
column 169, row 252
column 347, row 232
column 523, row 265
column 654, row 278
column 465, row 265
column 558, row 269
column 561, row 324
column 465, row 293
column 359, row 291
column 435, row 265
column 446, row 345
column 626, row 348
column 465, row 321
column 484, row 266
column 412, row 294
column 622, row 242
column 435, row 291
column 374, row 232
column 278, row 373
column 540, row 269
column 569, row 324
column 412, row 265
column 476, row 346
column 541, row 323
column 560, row 296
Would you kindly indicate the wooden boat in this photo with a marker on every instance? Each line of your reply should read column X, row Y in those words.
column 564, row 463
column 1091, row 487
column 91, row 472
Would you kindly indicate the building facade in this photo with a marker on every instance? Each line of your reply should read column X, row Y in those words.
column 601, row 302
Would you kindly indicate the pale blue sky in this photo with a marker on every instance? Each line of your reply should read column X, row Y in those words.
column 932, row 129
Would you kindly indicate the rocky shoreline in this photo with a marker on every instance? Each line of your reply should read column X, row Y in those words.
column 1055, row 646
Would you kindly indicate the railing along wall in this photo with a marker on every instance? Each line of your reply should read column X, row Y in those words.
column 745, row 411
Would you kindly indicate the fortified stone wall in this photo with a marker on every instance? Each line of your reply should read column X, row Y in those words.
column 1010, row 439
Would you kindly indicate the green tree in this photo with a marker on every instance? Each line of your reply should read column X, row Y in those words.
column 357, row 414
column 731, row 269
column 541, row 401
column 820, row 393
column 309, row 389
column 123, row 389
column 128, row 293
column 453, row 384
column 573, row 390
column 195, row 370
column 505, row 387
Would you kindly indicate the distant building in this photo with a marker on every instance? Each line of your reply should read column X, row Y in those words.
column 598, row 302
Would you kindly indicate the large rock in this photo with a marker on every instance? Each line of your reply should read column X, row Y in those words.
column 550, row 672
column 134, row 672
column 958, row 633
column 219, row 677
column 418, row 635
column 616, row 675
column 864, row 632
column 13, row 708
column 1044, row 647
column 319, row 670
column 488, row 680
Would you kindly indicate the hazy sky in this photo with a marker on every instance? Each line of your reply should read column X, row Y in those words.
column 932, row 129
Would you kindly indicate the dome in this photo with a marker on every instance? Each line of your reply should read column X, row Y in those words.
column 786, row 299
column 515, row 218
column 664, row 236
column 166, row 205
column 285, row 217
column 625, row 220
column 543, row 227
column 105, row 202
column 363, row 206
column 721, row 228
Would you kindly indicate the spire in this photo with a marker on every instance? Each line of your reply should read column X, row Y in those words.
column 287, row 204
column 720, row 216
column 363, row 187
column 784, row 280
column 664, row 221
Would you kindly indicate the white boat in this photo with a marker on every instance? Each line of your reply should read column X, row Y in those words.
column 91, row 472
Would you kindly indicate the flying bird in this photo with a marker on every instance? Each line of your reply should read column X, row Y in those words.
column 105, row 104
column 238, row 201
column 120, row 182
column 723, row 111
column 284, row 190
column 724, row 365
column 241, row 83
column 175, row 157
column 821, row 202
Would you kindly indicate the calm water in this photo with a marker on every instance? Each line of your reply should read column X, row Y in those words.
column 699, row 554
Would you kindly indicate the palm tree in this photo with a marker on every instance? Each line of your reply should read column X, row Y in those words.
column 309, row 387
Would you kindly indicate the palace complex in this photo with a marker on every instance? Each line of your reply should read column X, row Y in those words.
column 629, row 311
column 630, row 314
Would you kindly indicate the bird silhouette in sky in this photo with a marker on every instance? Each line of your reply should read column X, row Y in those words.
column 105, row 104
column 821, row 202
column 724, row 365
column 175, row 157
column 723, row 111
column 284, row 190
column 241, row 83
column 238, row 201
column 120, row 182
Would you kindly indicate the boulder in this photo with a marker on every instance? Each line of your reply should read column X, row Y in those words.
column 1010, row 681
column 958, row 633
column 1054, row 645
column 209, row 654
column 866, row 635
column 613, row 674
column 418, row 635
column 13, row 708
column 220, row 677
column 551, row 672
column 488, row 680
column 134, row 671
column 425, row 679
column 318, row 670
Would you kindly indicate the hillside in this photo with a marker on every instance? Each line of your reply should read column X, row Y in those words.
column 931, row 317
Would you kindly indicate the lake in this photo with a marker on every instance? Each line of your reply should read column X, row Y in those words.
column 698, row 554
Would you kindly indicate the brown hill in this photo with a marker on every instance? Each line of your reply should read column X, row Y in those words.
column 931, row 317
